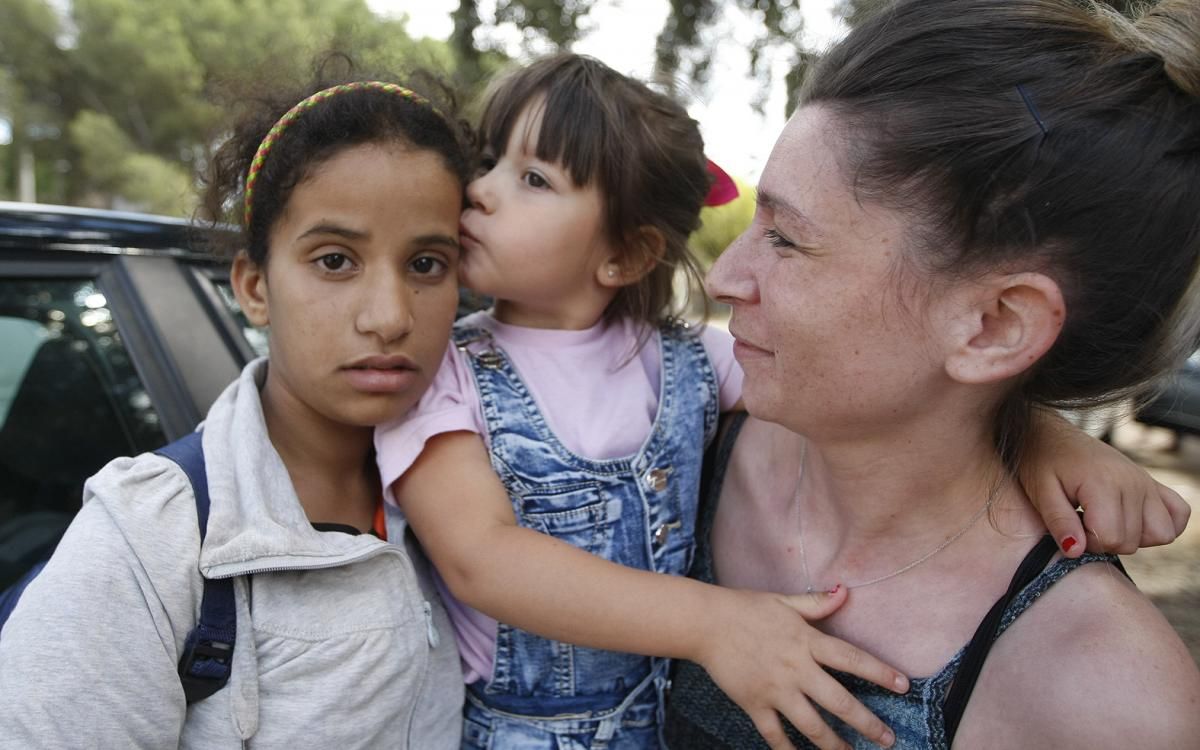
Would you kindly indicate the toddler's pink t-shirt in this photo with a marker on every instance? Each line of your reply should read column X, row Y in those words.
column 597, row 399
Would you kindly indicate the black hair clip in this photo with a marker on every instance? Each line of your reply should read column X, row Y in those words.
column 1033, row 110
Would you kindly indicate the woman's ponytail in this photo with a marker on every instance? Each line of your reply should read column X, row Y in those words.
column 1169, row 30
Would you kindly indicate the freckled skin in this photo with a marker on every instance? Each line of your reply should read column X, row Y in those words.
column 827, row 313
column 320, row 321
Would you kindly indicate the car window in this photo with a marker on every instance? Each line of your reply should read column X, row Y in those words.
column 255, row 337
column 19, row 340
column 70, row 401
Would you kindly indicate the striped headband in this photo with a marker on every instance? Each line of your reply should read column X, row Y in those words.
column 290, row 116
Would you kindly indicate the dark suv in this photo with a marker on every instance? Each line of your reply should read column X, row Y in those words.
column 117, row 331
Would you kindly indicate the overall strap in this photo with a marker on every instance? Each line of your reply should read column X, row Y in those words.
column 207, row 658
column 506, row 403
column 976, row 651
column 522, row 444
column 684, row 354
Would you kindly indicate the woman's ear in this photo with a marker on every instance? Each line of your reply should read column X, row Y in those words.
column 641, row 253
column 1003, row 325
column 249, row 282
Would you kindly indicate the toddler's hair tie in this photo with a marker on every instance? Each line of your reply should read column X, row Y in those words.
column 290, row 116
column 723, row 189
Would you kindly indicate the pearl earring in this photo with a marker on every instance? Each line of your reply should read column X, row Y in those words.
column 612, row 272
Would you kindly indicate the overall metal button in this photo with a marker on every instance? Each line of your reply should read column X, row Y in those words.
column 663, row 533
column 656, row 479
column 490, row 359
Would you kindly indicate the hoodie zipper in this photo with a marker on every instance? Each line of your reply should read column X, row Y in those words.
column 430, row 644
column 432, row 638
column 380, row 549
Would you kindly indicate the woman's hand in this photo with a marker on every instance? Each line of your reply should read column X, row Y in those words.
column 770, row 661
column 1124, row 508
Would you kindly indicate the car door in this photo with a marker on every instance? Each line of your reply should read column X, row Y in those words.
column 102, row 354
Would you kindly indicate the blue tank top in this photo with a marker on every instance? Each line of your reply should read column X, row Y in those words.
column 700, row 715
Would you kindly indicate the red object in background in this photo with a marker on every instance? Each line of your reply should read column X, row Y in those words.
column 723, row 189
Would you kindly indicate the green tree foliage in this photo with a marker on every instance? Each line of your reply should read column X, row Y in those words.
column 111, row 164
column 476, row 62
column 121, row 99
column 721, row 225
column 555, row 21
column 113, row 100
column 683, row 56
column 678, row 49
column 462, row 39
column 546, row 26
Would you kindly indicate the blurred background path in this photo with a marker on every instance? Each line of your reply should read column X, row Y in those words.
column 1170, row 575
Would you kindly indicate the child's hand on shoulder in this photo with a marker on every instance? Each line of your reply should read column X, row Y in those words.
column 770, row 661
column 1124, row 508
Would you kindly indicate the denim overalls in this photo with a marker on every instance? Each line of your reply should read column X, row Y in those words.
column 639, row 511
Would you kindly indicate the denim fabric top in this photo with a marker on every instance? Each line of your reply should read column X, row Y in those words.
column 700, row 715
column 639, row 511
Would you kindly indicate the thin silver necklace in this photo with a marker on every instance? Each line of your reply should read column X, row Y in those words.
column 808, row 587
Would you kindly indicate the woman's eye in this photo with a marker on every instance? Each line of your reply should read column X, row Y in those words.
column 334, row 262
column 427, row 265
column 535, row 180
column 777, row 239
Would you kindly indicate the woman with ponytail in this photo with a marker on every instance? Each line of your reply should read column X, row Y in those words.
column 981, row 209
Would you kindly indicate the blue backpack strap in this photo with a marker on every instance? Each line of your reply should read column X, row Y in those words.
column 207, row 656
column 10, row 595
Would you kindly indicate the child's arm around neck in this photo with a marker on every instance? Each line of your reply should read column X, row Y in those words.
column 755, row 645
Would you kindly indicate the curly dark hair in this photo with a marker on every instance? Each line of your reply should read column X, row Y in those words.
column 355, row 117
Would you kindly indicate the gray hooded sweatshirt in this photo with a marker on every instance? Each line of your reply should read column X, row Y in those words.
column 341, row 641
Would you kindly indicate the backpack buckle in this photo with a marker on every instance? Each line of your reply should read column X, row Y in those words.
column 205, row 665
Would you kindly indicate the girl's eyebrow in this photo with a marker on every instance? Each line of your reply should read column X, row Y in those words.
column 347, row 233
column 436, row 239
column 337, row 230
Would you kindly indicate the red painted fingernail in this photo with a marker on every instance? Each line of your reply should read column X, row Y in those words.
column 1068, row 542
column 834, row 590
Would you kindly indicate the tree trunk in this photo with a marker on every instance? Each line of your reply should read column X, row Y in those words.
column 26, row 177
